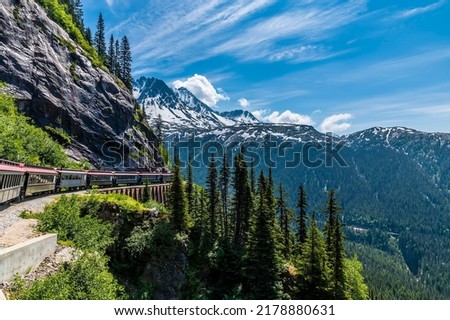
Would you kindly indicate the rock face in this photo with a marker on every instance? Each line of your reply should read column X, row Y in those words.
column 57, row 85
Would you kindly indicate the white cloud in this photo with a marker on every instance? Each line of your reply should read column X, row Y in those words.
column 203, row 89
column 336, row 123
column 244, row 103
column 110, row 3
column 421, row 10
column 285, row 117
column 317, row 111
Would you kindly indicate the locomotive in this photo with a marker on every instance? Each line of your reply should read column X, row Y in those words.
column 19, row 181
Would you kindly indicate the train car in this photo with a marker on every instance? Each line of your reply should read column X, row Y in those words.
column 100, row 178
column 72, row 179
column 12, row 179
column 154, row 177
column 39, row 180
column 126, row 178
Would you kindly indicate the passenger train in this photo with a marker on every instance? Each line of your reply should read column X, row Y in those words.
column 18, row 181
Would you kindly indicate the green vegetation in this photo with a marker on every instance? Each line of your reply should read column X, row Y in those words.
column 87, row 278
column 59, row 13
column 21, row 141
column 249, row 249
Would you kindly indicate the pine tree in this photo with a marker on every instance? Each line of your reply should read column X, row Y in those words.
column 190, row 188
column 211, row 184
column 159, row 129
column 224, row 185
column 261, row 262
column 242, row 202
column 335, row 246
column 302, row 205
column 285, row 218
column 88, row 35
column 99, row 38
column 252, row 177
column 76, row 10
column 118, row 67
column 125, row 63
column 314, row 282
column 178, row 199
column 112, row 59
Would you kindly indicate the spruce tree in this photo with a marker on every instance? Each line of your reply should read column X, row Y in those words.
column 213, row 205
column 242, row 202
column 125, row 63
column 178, row 199
column 314, row 278
column 112, row 59
column 99, row 38
column 76, row 10
column 224, row 185
column 285, row 219
column 190, row 187
column 261, row 264
column 88, row 35
column 252, row 177
column 302, row 205
column 335, row 246
column 118, row 67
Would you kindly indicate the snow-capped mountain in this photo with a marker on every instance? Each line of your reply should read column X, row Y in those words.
column 241, row 116
column 181, row 109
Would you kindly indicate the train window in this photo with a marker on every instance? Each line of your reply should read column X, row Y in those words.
column 1, row 181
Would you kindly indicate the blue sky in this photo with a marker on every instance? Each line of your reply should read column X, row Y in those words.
column 342, row 66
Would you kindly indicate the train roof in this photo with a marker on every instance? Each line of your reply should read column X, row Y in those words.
column 155, row 174
column 100, row 173
column 126, row 173
column 41, row 170
column 71, row 171
column 11, row 168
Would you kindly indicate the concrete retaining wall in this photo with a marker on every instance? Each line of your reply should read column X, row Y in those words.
column 22, row 258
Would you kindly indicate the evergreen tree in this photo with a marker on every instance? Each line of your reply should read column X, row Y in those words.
column 224, row 185
column 285, row 219
column 242, row 202
column 314, row 282
column 88, row 35
column 261, row 262
column 118, row 67
column 190, row 187
column 335, row 246
column 112, row 59
column 76, row 10
column 302, row 205
column 159, row 129
column 178, row 199
column 125, row 63
column 213, row 205
column 252, row 177
column 99, row 38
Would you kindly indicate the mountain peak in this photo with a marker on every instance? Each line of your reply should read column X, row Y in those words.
column 182, row 109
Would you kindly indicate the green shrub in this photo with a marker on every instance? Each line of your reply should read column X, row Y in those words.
column 64, row 218
column 21, row 141
column 87, row 278
column 59, row 13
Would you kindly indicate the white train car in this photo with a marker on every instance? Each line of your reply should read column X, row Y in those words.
column 72, row 179
column 40, row 180
column 12, row 179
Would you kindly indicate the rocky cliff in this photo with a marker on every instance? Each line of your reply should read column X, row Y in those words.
column 56, row 85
